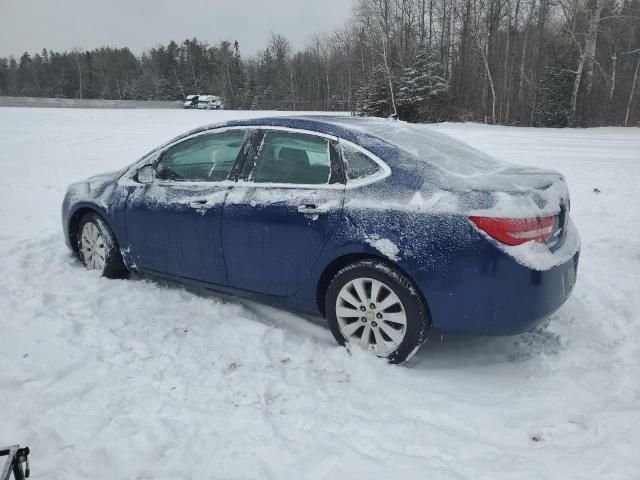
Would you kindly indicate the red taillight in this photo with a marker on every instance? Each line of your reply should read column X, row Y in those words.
column 516, row 231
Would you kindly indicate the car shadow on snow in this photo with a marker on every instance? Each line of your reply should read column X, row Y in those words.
column 309, row 326
column 438, row 352
column 478, row 351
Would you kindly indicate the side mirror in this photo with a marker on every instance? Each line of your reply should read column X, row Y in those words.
column 146, row 174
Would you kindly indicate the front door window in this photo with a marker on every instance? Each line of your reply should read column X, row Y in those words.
column 208, row 158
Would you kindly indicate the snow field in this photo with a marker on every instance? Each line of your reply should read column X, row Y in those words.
column 143, row 379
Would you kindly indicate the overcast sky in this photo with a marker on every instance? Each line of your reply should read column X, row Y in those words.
column 30, row 25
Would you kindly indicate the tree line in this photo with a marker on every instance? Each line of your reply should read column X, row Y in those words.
column 516, row 62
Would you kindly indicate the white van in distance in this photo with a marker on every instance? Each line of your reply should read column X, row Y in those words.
column 210, row 102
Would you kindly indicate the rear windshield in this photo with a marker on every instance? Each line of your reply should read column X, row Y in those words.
column 424, row 143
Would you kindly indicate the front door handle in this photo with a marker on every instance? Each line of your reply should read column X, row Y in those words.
column 310, row 208
column 198, row 203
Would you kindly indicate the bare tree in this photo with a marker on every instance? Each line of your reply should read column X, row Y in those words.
column 633, row 87
column 77, row 56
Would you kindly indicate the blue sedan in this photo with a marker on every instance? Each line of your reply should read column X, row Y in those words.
column 392, row 232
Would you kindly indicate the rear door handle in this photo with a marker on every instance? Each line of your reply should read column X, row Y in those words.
column 312, row 209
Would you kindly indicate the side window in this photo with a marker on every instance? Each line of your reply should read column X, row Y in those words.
column 359, row 165
column 286, row 157
column 203, row 158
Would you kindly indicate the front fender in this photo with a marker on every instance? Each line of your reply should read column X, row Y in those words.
column 108, row 199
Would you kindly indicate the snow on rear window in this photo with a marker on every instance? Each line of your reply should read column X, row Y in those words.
column 436, row 148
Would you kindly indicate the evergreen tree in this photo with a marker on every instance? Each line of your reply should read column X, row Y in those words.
column 249, row 95
column 231, row 74
column 265, row 78
column 419, row 85
column 554, row 91
column 374, row 96
column 4, row 76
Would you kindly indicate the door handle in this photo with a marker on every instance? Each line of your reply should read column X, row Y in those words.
column 312, row 209
column 198, row 203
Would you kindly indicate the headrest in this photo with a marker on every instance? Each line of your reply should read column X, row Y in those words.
column 294, row 156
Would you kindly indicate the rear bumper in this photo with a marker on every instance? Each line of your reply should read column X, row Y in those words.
column 487, row 292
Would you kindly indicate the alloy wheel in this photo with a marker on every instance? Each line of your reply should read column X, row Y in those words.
column 93, row 247
column 371, row 315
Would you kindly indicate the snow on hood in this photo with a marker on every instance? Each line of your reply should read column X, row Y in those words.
column 97, row 189
column 102, row 177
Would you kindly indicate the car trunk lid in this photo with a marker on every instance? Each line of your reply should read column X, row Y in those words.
column 527, row 204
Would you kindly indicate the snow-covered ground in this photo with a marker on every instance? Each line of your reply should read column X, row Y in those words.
column 140, row 379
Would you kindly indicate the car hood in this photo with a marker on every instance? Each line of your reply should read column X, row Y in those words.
column 103, row 177
column 85, row 190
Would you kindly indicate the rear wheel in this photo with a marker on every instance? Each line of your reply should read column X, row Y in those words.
column 98, row 248
column 372, row 305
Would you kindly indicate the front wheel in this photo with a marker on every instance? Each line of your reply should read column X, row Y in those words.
column 374, row 306
column 98, row 248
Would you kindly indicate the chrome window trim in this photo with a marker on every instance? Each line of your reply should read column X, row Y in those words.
column 305, row 186
column 127, row 178
column 385, row 171
column 297, row 130
column 321, row 186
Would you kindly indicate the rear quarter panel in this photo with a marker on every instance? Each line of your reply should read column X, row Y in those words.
column 471, row 287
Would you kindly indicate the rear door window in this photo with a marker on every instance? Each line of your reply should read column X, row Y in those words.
column 296, row 158
column 358, row 164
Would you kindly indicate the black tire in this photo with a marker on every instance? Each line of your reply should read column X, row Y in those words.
column 113, row 264
column 418, row 322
